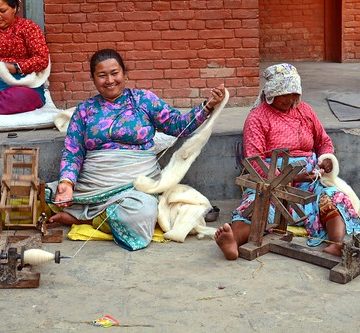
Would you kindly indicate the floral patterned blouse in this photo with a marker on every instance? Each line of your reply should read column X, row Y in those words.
column 129, row 122
column 24, row 42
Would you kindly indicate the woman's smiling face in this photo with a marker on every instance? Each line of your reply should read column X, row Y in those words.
column 7, row 15
column 109, row 79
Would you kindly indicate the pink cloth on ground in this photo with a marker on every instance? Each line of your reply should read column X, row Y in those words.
column 19, row 99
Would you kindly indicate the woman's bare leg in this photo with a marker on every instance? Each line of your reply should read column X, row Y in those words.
column 336, row 232
column 230, row 236
column 67, row 219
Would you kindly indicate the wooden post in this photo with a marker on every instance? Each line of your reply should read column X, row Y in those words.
column 260, row 214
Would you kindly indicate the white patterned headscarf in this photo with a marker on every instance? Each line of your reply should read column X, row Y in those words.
column 280, row 79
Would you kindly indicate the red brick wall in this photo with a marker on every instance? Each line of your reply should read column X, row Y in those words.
column 291, row 30
column 351, row 29
column 178, row 49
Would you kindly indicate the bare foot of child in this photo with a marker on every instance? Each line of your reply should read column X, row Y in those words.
column 224, row 238
column 334, row 249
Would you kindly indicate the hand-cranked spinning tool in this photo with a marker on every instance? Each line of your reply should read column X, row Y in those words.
column 21, row 188
column 275, row 189
column 15, row 268
column 22, row 204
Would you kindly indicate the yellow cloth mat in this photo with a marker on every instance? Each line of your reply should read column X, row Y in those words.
column 83, row 231
column 28, row 215
column 86, row 231
column 158, row 236
column 298, row 231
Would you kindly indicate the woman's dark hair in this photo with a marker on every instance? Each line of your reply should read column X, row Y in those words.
column 105, row 54
column 13, row 4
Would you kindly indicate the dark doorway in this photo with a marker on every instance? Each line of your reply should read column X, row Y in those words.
column 333, row 30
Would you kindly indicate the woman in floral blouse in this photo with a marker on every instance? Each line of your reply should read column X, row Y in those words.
column 23, row 50
column 109, row 143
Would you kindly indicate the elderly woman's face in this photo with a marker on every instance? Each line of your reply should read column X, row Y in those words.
column 7, row 14
column 285, row 102
column 109, row 79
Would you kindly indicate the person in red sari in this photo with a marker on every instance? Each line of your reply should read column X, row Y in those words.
column 23, row 51
column 279, row 119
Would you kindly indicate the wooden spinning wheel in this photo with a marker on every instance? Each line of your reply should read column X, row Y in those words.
column 275, row 189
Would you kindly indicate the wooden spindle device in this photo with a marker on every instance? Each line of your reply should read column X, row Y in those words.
column 274, row 189
column 22, row 203
column 15, row 267
column 21, row 188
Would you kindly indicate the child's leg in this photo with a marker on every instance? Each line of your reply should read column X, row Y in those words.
column 230, row 236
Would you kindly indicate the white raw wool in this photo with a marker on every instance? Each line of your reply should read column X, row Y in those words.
column 182, row 208
column 39, row 118
column 37, row 256
column 332, row 179
column 33, row 80
column 62, row 119
column 181, row 211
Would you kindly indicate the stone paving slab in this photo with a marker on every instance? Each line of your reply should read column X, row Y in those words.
column 189, row 287
column 180, row 287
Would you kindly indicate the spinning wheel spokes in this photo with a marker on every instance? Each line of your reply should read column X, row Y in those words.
column 273, row 188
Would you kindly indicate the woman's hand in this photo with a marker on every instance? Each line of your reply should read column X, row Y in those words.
column 308, row 177
column 326, row 165
column 217, row 95
column 64, row 195
column 11, row 67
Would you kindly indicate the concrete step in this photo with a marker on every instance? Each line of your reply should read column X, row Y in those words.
column 214, row 171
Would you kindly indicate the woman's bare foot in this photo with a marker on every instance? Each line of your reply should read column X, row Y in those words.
column 224, row 238
column 334, row 249
column 63, row 218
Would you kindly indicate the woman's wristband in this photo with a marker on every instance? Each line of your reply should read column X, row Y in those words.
column 207, row 107
column 67, row 181
column 17, row 68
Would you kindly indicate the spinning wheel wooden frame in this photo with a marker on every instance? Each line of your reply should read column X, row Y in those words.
column 274, row 188
column 21, row 189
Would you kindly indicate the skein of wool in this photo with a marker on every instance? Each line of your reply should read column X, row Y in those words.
column 37, row 256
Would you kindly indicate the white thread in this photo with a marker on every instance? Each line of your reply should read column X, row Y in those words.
column 37, row 256
column 176, row 138
column 92, row 234
column 317, row 173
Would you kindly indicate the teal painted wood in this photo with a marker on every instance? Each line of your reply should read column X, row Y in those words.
column 34, row 10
